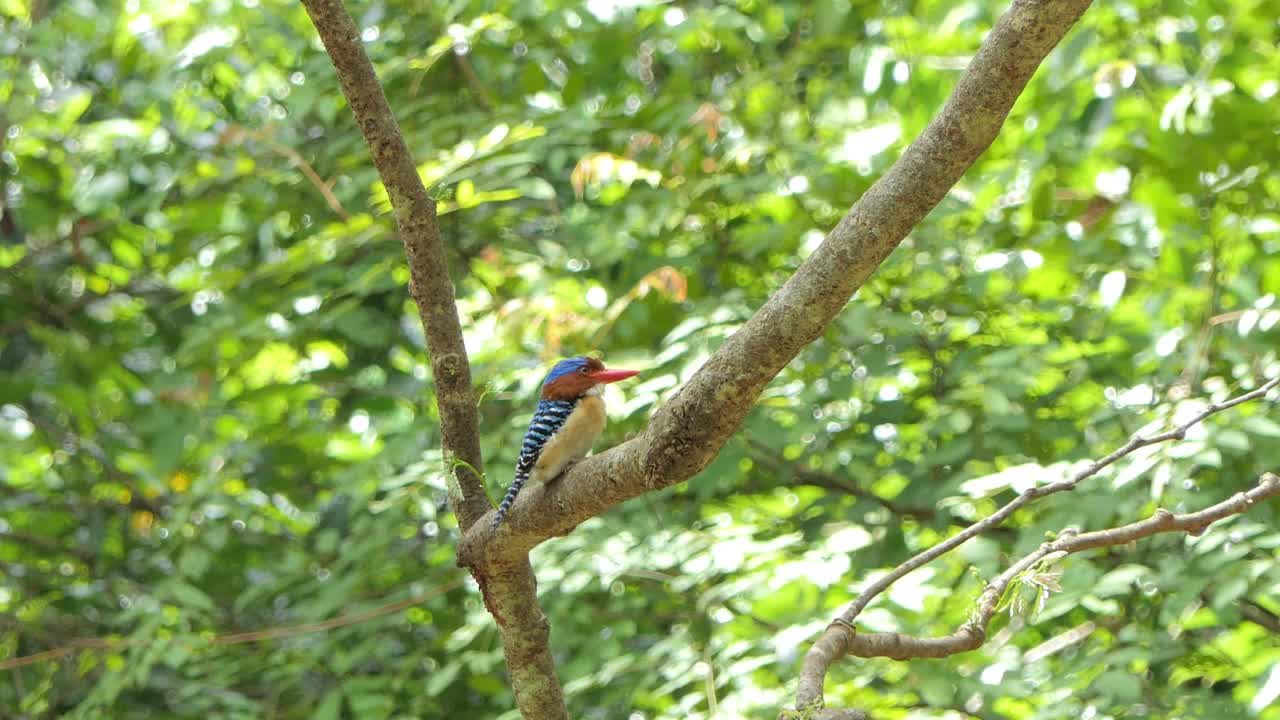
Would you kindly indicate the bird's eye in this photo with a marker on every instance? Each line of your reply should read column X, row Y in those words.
column 582, row 370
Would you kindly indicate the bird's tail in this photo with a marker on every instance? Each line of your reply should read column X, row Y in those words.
column 510, row 497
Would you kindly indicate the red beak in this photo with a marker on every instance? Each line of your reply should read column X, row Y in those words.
column 608, row 376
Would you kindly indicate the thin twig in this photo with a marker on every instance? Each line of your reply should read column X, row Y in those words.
column 269, row 633
column 834, row 643
column 1227, row 317
column 59, row 436
column 321, row 626
column 1134, row 443
column 235, row 132
column 46, row 546
column 763, row 454
column 709, row 680
column 1059, row 642
column 463, row 61
column 1258, row 615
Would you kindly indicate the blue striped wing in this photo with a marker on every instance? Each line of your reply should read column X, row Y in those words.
column 547, row 420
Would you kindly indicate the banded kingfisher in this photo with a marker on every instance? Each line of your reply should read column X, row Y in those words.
column 569, row 418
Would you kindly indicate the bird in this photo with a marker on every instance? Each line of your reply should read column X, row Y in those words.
column 569, row 418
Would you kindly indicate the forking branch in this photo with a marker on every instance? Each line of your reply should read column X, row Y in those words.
column 689, row 431
column 511, row 593
column 841, row 637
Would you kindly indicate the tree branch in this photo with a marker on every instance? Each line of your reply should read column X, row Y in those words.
column 763, row 454
column 463, row 61
column 689, row 431
column 415, row 214
column 269, row 633
column 46, row 546
column 1134, row 443
column 833, row 645
column 511, row 596
column 841, row 638
column 509, row 589
column 236, row 132
column 1258, row 615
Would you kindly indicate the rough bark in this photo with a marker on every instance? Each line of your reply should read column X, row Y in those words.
column 511, row 595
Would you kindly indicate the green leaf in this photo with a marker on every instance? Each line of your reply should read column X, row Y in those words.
column 189, row 596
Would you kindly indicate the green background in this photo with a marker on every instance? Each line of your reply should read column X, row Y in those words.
column 216, row 414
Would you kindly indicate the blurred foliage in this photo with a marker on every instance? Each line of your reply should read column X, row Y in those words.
column 216, row 414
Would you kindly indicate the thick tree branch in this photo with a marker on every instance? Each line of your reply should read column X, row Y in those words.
column 511, row 596
column 510, row 590
column 415, row 214
column 687, row 433
column 841, row 639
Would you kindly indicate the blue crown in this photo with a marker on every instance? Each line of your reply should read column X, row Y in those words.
column 565, row 367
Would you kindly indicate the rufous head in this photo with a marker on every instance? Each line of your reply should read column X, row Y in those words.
column 572, row 378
